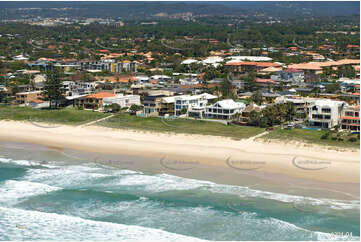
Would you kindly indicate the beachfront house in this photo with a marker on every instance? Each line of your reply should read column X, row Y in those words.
column 225, row 109
column 93, row 101
column 299, row 105
column 324, row 114
column 158, row 105
column 244, row 119
column 27, row 97
column 351, row 119
column 122, row 101
column 194, row 106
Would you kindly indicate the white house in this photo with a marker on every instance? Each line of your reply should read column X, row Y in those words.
column 213, row 60
column 189, row 81
column 122, row 101
column 324, row 113
column 195, row 105
column 161, row 78
column 189, row 61
column 225, row 109
column 247, row 58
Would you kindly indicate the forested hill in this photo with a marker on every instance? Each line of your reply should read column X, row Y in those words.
column 139, row 10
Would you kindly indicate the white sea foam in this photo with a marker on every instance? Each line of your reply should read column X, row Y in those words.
column 26, row 163
column 19, row 162
column 287, row 198
column 17, row 224
column 164, row 182
column 160, row 183
column 12, row 191
column 66, row 176
column 89, row 175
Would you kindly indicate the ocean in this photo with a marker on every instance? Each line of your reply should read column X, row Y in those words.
column 49, row 197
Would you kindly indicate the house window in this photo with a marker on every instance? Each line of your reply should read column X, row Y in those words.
column 326, row 110
column 314, row 108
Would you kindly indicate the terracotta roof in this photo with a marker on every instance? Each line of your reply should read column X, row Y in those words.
column 306, row 66
column 101, row 95
column 319, row 65
column 353, row 46
column 271, row 69
column 260, row 80
column 292, row 70
column 260, row 64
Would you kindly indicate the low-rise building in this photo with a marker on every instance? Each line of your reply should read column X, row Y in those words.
column 26, row 97
column 93, row 101
column 122, row 101
column 289, row 75
column 325, row 113
column 225, row 109
column 244, row 119
column 299, row 104
column 351, row 119
column 152, row 103
column 194, row 105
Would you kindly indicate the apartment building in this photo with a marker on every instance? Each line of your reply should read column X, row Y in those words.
column 109, row 65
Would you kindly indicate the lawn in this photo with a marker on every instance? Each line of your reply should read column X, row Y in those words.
column 69, row 116
column 186, row 126
column 312, row 136
column 72, row 116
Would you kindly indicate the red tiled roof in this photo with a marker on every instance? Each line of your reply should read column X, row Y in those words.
column 101, row 95
column 292, row 70
column 260, row 64
column 260, row 80
column 353, row 46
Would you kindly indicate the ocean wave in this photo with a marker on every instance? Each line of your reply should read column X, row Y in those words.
column 25, row 163
column 91, row 176
column 246, row 192
column 13, row 191
column 17, row 224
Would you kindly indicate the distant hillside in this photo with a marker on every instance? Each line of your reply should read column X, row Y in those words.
column 139, row 10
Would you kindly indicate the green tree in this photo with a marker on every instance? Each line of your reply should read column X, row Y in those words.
column 257, row 98
column 226, row 89
column 53, row 89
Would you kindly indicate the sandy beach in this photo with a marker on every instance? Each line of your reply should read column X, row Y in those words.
column 182, row 152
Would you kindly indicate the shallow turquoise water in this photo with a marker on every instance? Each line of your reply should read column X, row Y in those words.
column 86, row 201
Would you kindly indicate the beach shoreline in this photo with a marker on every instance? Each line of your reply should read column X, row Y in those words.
column 218, row 159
